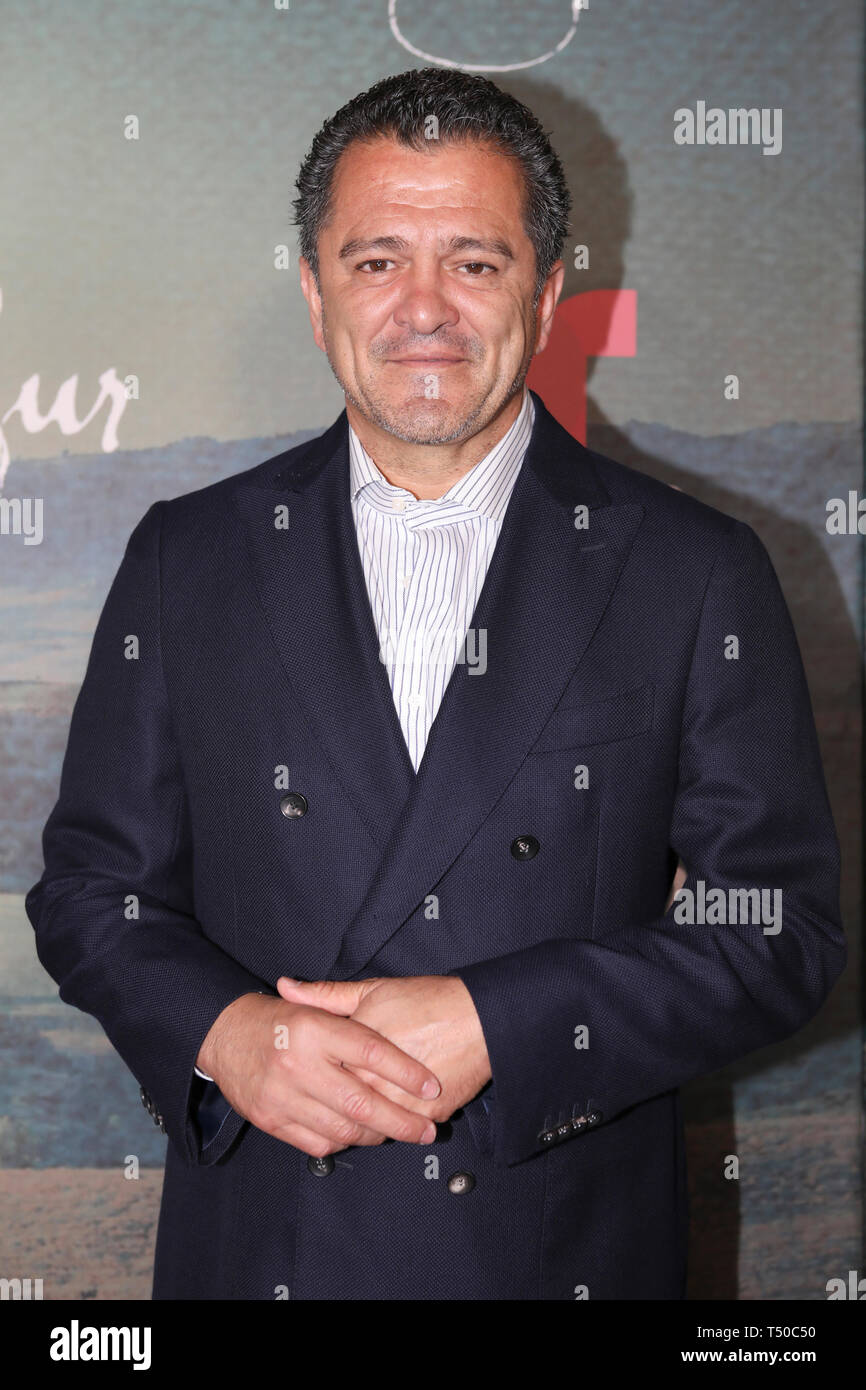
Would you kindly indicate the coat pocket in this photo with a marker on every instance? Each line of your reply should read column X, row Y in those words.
column 618, row 716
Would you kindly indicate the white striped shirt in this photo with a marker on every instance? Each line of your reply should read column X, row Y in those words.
column 424, row 563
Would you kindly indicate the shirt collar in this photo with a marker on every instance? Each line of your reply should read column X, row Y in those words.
column 484, row 491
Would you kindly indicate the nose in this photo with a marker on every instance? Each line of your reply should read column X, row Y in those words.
column 424, row 305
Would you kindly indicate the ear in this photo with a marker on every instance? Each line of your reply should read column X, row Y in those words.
column 547, row 305
column 310, row 292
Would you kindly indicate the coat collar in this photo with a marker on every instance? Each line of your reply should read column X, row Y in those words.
column 546, row 588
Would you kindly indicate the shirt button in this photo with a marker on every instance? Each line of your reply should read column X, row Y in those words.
column 399, row 504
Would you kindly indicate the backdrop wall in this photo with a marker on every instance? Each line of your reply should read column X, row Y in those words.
column 153, row 338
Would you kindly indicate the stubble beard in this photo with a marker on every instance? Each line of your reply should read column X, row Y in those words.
column 417, row 427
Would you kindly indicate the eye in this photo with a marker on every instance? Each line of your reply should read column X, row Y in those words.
column 376, row 262
column 477, row 265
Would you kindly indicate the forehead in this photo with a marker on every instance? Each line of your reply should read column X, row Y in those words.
column 383, row 176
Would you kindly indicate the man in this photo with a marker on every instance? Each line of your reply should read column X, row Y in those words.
column 419, row 718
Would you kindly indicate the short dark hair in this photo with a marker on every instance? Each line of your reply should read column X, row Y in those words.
column 466, row 106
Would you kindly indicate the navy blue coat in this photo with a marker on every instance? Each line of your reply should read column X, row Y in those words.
column 610, row 726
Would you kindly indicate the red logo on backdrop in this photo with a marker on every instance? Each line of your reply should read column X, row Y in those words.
column 597, row 323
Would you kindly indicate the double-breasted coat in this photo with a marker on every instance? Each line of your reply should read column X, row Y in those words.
column 611, row 732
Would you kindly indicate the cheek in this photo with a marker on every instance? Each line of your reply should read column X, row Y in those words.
column 345, row 347
column 504, row 331
column 353, row 336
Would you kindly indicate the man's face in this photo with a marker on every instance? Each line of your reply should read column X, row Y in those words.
column 426, row 285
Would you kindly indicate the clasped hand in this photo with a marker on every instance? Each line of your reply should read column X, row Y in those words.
column 430, row 1017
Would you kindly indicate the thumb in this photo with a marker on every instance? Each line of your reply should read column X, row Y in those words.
column 336, row 996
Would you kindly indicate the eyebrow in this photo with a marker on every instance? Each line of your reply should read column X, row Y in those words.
column 493, row 245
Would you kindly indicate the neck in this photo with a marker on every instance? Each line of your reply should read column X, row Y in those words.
column 429, row 470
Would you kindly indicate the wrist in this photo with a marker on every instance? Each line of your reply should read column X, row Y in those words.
column 210, row 1052
column 473, row 1024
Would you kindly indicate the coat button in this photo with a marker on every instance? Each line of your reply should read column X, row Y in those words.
column 321, row 1167
column 293, row 804
column 547, row 1137
column 593, row 1117
column 525, row 847
column 564, row 1131
column 579, row 1123
column 460, row 1183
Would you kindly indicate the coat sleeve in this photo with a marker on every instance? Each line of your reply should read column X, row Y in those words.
column 664, row 1000
column 113, row 912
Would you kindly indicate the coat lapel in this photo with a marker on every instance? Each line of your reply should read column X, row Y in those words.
column 544, row 594
column 310, row 582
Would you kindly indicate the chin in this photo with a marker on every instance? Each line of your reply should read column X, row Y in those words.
column 427, row 422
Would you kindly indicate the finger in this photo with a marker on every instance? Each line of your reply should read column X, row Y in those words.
column 335, row 996
column 361, row 1104
column 327, row 1118
column 360, row 1046
column 332, row 1100
column 391, row 1092
column 316, row 1145
column 678, row 880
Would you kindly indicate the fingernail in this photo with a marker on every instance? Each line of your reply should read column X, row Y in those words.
column 430, row 1089
column 429, row 1134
